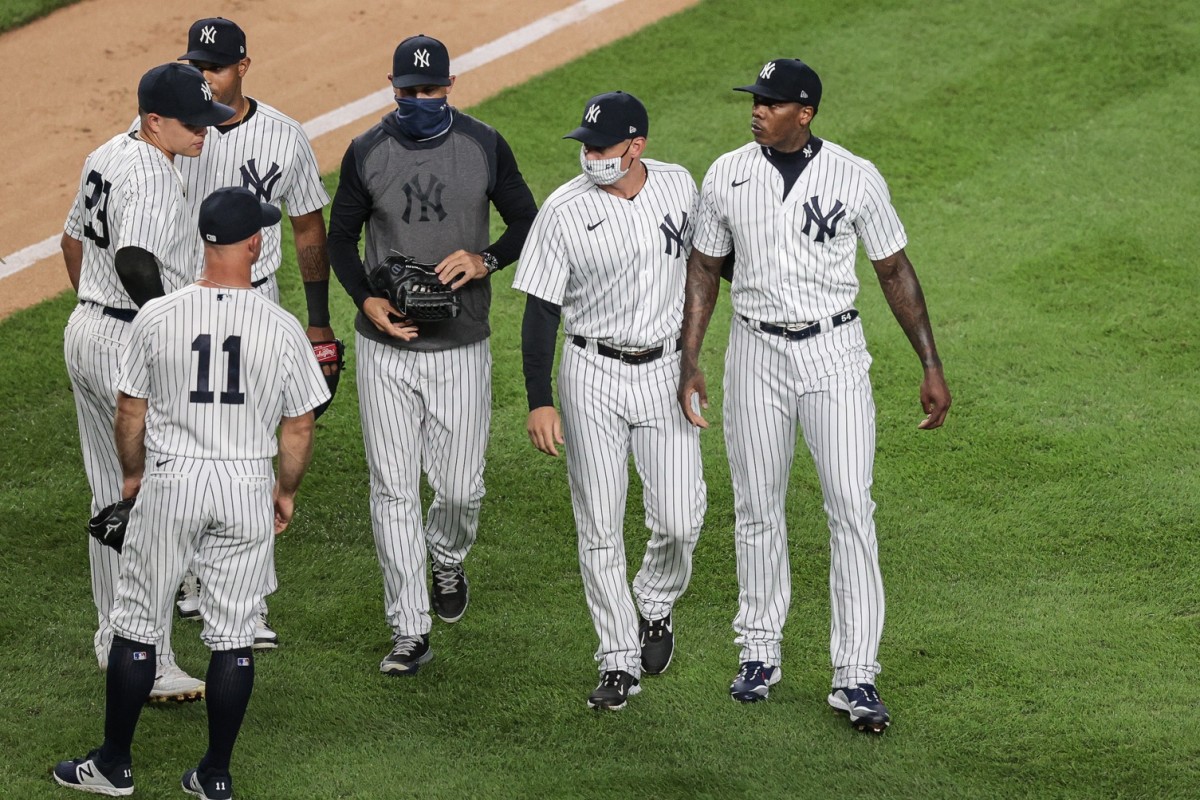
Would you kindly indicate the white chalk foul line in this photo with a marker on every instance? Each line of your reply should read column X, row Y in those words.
column 377, row 101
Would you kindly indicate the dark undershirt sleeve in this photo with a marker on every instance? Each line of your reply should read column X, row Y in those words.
column 513, row 199
column 349, row 212
column 539, row 332
column 139, row 273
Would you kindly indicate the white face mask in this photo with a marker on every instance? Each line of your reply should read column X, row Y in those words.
column 603, row 171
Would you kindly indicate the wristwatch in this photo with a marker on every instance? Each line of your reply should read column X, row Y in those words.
column 490, row 261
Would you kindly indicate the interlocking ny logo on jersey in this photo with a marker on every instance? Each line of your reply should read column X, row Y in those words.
column 208, row 35
column 826, row 223
column 673, row 234
column 261, row 185
column 421, row 58
column 767, row 70
column 593, row 113
column 429, row 196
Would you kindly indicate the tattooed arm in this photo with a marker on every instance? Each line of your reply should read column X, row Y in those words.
column 313, row 259
column 900, row 286
column 703, row 285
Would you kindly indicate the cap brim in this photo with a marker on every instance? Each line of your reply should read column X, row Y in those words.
column 593, row 138
column 215, row 115
column 208, row 57
column 405, row 81
column 764, row 91
column 270, row 214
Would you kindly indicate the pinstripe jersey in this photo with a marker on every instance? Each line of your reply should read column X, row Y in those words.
column 267, row 153
column 795, row 255
column 130, row 195
column 220, row 367
column 617, row 267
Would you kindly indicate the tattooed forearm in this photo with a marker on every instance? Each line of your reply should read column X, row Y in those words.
column 703, row 285
column 900, row 286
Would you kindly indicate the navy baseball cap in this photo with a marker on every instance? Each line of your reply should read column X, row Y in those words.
column 789, row 80
column 215, row 40
column 179, row 91
column 610, row 118
column 233, row 214
column 419, row 61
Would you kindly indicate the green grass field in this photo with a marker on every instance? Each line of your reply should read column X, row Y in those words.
column 1039, row 552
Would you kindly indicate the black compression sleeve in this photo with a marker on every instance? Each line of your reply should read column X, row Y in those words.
column 514, row 201
column 349, row 212
column 139, row 273
column 539, row 329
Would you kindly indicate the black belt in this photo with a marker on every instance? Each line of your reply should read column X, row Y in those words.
column 260, row 282
column 628, row 356
column 123, row 314
column 810, row 329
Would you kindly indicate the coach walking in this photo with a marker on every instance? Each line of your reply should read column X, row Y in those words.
column 794, row 207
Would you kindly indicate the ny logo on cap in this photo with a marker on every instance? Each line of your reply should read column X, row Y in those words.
column 208, row 35
column 421, row 58
column 206, row 89
column 593, row 113
column 767, row 71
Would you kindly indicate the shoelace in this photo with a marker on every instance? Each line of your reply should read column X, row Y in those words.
column 657, row 630
column 752, row 671
column 869, row 693
column 447, row 580
column 611, row 679
column 405, row 646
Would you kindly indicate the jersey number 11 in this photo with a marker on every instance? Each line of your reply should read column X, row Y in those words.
column 202, row 344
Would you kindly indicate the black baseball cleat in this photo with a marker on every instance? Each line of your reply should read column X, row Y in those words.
column 89, row 774
column 450, row 592
column 754, row 681
column 615, row 688
column 407, row 656
column 207, row 785
column 861, row 701
column 658, row 644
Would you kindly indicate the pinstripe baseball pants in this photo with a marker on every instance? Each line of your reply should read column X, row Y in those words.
column 92, row 347
column 611, row 409
column 821, row 384
column 428, row 410
column 217, row 515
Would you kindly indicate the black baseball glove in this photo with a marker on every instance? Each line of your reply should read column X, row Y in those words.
column 415, row 289
column 109, row 525
column 329, row 354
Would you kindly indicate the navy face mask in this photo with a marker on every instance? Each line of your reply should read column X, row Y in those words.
column 423, row 117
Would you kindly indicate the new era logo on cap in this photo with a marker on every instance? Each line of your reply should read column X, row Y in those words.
column 610, row 118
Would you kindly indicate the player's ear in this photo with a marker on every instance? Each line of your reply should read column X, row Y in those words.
column 451, row 86
column 243, row 67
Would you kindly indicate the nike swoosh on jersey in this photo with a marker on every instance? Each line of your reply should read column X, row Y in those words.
column 595, row 225
column 739, row 183
column 164, row 461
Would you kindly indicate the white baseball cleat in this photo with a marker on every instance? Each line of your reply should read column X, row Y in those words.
column 173, row 685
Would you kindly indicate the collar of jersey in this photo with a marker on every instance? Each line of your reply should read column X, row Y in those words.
column 249, row 113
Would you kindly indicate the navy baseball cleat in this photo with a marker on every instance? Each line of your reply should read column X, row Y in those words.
column 861, row 701
column 616, row 686
column 754, row 681
column 88, row 774
column 657, row 638
column 409, row 653
column 450, row 592
column 208, row 786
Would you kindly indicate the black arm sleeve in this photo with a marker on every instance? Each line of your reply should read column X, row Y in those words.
column 139, row 273
column 539, row 329
column 513, row 199
column 349, row 212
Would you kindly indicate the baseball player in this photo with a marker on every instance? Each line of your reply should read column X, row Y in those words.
column 794, row 207
column 420, row 182
column 127, row 240
column 208, row 374
column 265, row 151
column 608, row 251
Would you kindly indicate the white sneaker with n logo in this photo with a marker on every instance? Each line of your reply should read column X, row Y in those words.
column 208, row 787
column 85, row 775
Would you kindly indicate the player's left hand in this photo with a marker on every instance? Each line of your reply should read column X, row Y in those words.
column 545, row 429
column 460, row 267
column 316, row 335
column 285, row 506
column 935, row 398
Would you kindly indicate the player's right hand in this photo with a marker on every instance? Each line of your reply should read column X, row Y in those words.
column 285, row 506
column 385, row 317
column 693, row 396
column 545, row 429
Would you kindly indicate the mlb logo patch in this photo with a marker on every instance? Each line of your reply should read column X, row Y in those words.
column 139, row 655
column 243, row 662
